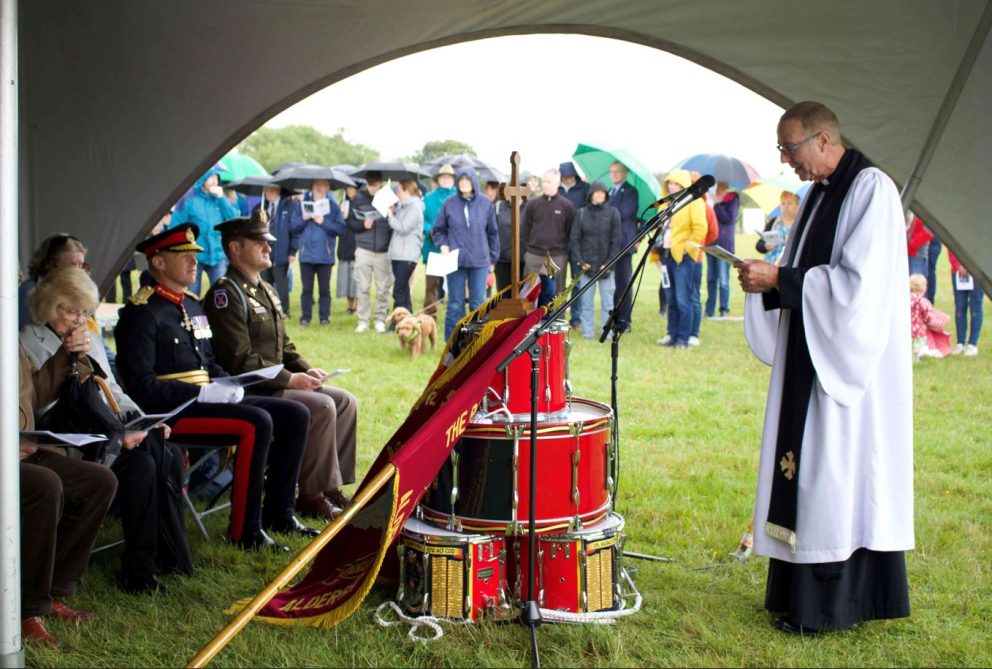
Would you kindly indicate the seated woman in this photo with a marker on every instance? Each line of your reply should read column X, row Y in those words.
column 63, row 502
column 60, row 304
column 61, row 250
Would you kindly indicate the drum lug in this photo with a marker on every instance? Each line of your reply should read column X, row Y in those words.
column 576, row 454
column 547, row 374
column 540, row 577
column 514, row 432
column 519, row 580
column 401, row 591
column 568, row 382
column 453, row 522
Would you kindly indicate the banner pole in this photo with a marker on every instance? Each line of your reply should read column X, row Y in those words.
column 292, row 569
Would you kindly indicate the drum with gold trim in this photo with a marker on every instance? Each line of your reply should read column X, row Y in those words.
column 484, row 485
column 450, row 574
column 577, row 572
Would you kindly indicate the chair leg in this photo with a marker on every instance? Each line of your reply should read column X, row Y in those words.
column 196, row 515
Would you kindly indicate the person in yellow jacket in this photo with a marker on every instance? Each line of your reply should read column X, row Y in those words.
column 685, row 236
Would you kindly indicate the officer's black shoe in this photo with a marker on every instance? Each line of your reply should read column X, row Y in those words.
column 259, row 539
column 291, row 525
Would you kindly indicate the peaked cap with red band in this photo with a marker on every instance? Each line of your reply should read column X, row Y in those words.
column 180, row 238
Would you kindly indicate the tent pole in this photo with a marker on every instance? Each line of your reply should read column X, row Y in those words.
column 947, row 106
column 11, row 651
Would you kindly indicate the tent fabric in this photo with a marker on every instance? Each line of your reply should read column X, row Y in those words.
column 123, row 104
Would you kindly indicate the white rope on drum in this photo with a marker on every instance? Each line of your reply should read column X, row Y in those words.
column 598, row 617
column 549, row 615
column 430, row 622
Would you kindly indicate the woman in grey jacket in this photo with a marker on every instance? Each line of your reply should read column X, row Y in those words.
column 406, row 220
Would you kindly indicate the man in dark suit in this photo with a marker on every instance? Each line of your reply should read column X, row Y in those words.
column 623, row 197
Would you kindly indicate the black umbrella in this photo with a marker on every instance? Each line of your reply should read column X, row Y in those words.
column 484, row 170
column 394, row 171
column 250, row 185
column 303, row 176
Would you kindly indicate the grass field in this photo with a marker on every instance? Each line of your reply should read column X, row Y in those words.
column 691, row 423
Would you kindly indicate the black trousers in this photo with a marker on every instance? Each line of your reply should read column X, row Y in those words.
column 622, row 274
column 503, row 274
column 138, row 493
column 323, row 274
column 63, row 502
column 402, row 271
column 267, row 431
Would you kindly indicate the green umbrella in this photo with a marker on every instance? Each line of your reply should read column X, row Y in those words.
column 236, row 166
column 594, row 161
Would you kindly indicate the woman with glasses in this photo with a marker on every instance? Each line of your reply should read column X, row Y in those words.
column 60, row 305
column 61, row 250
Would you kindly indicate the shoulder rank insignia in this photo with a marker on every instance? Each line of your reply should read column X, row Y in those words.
column 221, row 281
column 141, row 297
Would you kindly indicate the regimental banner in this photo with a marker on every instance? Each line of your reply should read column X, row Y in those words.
column 345, row 569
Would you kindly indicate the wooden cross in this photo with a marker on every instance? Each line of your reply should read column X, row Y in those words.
column 514, row 193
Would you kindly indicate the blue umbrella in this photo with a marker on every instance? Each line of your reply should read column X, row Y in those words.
column 734, row 171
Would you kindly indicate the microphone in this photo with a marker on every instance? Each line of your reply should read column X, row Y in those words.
column 703, row 184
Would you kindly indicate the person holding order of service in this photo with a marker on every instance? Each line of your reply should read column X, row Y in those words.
column 834, row 508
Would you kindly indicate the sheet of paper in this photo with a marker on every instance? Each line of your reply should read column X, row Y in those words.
column 151, row 419
column 964, row 282
column 249, row 378
column 383, row 199
column 331, row 375
column 318, row 208
column 439, row 264
column 718, row 251
column 772, row 237
column 44, row 437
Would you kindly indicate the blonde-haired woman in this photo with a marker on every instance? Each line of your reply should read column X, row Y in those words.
column 60, row 305
column 61, row 250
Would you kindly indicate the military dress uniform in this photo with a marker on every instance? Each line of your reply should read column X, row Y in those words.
column 250, row 330
column 164, row 356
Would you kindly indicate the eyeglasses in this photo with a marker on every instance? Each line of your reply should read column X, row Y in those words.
column 74, row 313
column 791, row 150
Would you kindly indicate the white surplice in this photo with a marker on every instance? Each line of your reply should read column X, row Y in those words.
column 856, row 467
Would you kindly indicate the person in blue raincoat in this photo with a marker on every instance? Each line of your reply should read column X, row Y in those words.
column 317, row 238
column 467, row 222
column 285, row 216
column 206, row 207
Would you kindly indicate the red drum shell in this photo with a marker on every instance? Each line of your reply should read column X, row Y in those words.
column 511, row 388
column 577, row 571
column 451, row 574
column 493, row 496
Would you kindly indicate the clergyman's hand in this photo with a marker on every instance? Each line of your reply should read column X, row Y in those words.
column 757, row 276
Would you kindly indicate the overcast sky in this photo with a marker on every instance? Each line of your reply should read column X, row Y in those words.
column 669, row 108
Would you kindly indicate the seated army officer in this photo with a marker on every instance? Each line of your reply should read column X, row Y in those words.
column 250, row 329
column 164, row 358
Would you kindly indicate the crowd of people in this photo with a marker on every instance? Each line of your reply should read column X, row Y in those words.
column 294, row 437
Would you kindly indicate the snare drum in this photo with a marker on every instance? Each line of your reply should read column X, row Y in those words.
column 485, row 483
column 450, row 574
column 577, row 571
column 510, row 389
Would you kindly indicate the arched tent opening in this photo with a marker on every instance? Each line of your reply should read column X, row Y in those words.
column 151, row 87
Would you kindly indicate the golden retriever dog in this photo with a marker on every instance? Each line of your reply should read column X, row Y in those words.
column 414, row 332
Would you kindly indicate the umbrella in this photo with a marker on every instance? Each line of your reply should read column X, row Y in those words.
column 250, row 185
column 595, row 162
column 395, row 171
column 236, row 166
column 485, row 171
column 302, row 176
column 765, row 192
column 734, row 171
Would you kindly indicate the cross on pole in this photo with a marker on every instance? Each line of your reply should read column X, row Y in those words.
column 514, row 193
